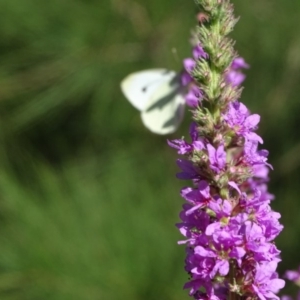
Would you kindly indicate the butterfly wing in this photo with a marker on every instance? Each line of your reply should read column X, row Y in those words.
column 138, row 87
column 165, row 109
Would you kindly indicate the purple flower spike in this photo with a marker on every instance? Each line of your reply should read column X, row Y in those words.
column 227, row 222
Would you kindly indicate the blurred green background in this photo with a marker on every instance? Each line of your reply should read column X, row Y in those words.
column 89, row 197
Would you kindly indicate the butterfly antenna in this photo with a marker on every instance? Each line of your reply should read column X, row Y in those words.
column 175, row 54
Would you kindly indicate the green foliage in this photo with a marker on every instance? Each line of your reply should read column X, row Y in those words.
column 88, row 196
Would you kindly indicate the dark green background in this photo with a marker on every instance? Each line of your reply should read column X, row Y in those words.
column 88, row 196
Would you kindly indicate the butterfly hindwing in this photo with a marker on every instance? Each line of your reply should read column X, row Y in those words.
column 165, row 109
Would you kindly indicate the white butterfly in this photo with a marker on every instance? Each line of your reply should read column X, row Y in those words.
column 158, row 94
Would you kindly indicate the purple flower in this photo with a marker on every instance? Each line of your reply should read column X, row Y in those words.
column 266, row 282
column 285, row 297
column 239, row 63
column 239, row 119
column 217, row 158
column 259, row 182
column 222, row 208
column 184, row 147
column 198, row 197
column 189, row 64
column 293, row 275
column 201, row 194
column 194, row 285
column 253, row 156
column 185, row 78
column 194, row 96
column 188, row 170
column 219, row 264
column 198, row 52
column 235, row 76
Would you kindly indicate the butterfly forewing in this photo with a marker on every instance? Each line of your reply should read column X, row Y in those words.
column 138, row 87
